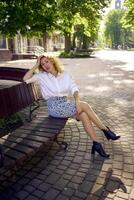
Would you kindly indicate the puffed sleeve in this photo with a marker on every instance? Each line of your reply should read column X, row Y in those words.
column 72, row 85
column 33, row 79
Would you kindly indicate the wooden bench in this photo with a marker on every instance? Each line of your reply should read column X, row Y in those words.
column 25, row 141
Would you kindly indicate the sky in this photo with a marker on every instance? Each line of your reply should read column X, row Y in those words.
column 112, row 6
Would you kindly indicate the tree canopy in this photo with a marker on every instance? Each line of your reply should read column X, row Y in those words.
column 41, row 15
column 87, row 13
column 26, row 16
column 128, row 19
column 115, row 32
column 32, row 17
column 113, row 27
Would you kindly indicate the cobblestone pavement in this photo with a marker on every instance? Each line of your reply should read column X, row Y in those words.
column 54, row 174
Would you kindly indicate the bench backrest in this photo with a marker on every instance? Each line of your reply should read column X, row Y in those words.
column 15, row 74
column 15, row 98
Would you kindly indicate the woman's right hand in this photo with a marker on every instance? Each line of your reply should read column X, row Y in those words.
column 29, row 74
column 38, row 61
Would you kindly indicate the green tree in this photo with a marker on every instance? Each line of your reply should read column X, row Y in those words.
column 37, row 17
column 30, row 17
column 26, row 17
column 115, row 34
column 84, row 32
column 87, row 9
column 128, row 19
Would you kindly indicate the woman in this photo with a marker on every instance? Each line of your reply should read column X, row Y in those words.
column 55, row 85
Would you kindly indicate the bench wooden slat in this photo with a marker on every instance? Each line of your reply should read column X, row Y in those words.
column 16, row 155
column 29, row 137
column 3, row 104
column 26, row 134
column 40, row 129
column 50, row 120
column 8, row 164
column 36, row 92
column 26, row 98
column 14, row 105
column 44, row 126
column 21, row 148
column 30, row 143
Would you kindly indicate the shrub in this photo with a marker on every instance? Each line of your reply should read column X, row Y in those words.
column 77, row 54
column 10, row 123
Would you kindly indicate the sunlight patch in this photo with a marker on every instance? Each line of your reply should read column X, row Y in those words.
column 121, row 102
column 128, row 81
column 103, row 74
column 109, row 78
column 92, row 75
column 98, row 89
column 117, row 82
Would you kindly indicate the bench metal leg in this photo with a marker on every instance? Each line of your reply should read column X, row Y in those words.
column 32, row 108
column 62, row 144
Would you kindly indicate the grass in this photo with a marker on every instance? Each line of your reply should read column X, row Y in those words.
column 77, row 54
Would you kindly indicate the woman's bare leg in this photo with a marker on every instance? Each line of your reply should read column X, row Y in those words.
column 92, row 115
column 88, row 126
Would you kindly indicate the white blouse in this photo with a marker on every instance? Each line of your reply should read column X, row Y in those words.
column 61, row 85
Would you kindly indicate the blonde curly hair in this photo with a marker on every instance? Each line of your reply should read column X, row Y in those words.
column 57, row 65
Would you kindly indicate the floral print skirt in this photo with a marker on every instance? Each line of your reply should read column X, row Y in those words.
column 61, row 107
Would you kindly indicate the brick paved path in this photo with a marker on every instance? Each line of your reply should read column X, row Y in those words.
column 72, row 175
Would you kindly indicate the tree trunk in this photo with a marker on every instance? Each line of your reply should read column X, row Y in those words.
column 40, row 42
column 85, row 42
column 11, row 45
column 73, row 46
column 67, row 42
column 45, row 36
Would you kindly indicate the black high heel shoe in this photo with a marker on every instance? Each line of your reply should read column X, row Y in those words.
column 97, row 147
column 110, row 135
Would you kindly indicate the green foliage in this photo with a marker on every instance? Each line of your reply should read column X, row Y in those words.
column 4, row 123
column 114, row 32
column 87, row 11
column 88, row 27
column 36, row 17
column 82, row 14
column 128, row 19
column 71, row 54
column 66, row 55
column 26, row 17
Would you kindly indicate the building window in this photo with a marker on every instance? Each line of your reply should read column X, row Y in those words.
column 2, row 42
